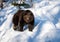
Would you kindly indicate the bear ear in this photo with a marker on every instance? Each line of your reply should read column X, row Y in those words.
column 28, row 11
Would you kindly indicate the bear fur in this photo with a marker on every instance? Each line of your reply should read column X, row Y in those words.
column 21, row 18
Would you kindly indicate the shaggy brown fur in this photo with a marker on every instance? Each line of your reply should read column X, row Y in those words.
column 21, row 18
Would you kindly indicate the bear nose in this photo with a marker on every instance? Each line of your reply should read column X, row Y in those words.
column 27, row 18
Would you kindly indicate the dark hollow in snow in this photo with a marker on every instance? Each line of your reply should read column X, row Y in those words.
column 22, row 18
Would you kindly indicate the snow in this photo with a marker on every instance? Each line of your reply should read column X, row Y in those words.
column 58, row 24
column 47, row 23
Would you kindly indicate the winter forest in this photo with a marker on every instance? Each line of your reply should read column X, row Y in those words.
column 46, row 21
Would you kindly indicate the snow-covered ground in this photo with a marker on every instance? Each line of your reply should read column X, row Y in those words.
column 47, row 23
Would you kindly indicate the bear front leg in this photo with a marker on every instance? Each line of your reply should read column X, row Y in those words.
column 21, row 28
column 15, row 27
column 30, row 26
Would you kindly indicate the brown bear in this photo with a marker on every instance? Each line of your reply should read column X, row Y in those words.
column 21, row 18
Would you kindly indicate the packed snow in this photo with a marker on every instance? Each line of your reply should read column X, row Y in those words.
column 47, row 23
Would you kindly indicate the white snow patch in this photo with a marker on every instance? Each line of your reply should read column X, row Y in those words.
column 58, row 24
column 46, row 28
column 6, row 24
